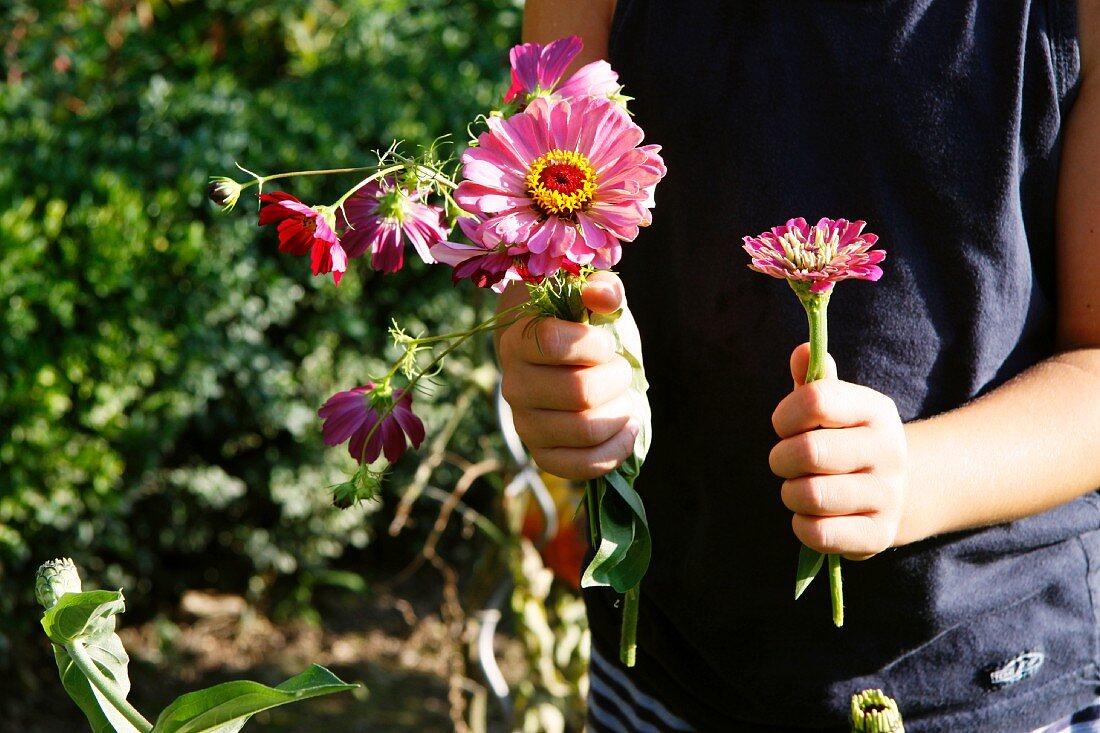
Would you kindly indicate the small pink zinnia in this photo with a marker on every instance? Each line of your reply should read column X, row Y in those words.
column 380, row 214
column 354, row 414
column 303, row 229
column 562, row 182
column 824, row 254
column 537, row 69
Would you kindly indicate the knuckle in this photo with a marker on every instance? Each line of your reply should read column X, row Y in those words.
column 815, row 493
column 815, row 399
column 551, row 461
column 526, row 427
column 587, row 431
column 551, row 340
column 511, row 389
column 579, row 391
column 808, row 450
column 811, row 531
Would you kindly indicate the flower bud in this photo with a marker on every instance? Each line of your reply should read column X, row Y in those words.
column 224, row 192
column 874, row 712
column 54, row 579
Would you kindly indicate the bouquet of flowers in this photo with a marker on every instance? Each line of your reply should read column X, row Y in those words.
column 545, row 195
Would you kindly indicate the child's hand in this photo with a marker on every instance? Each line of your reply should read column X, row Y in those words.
column 570, row 400
column 843, row 453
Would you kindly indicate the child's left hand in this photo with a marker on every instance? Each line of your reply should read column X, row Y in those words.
column 843, row 452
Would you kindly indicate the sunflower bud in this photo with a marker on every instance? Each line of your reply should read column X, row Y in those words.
column 224, row 192
column 873, row 712
column 54, row 579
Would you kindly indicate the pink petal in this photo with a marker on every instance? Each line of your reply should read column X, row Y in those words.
column 594, row 79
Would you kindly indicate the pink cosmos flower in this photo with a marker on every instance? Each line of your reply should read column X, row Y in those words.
column 380, row 214
column 354, row 414
column 824, row 254
column 489, row 265
column 486, row 265
column 537, row 69
column 303, row 229
column 563, row 183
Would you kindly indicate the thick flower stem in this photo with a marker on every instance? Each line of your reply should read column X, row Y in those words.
column 108, row 689
column 816, row 308
column 816, row 305
column 628, row 643
column 836, row 590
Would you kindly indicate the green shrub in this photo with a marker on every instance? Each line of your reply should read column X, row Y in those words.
column 161, row 363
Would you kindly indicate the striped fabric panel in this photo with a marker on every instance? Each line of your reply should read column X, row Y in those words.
column 615, row 705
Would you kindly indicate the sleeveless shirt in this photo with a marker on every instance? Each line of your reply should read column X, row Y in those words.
column 939, row 123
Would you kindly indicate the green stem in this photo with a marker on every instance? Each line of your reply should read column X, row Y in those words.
column 816, row 306
column 462, row 337
column 836, row 590
column 591, row 498
column 628, row 643
column 107, row 688
column 372, row 177
column 487, row 325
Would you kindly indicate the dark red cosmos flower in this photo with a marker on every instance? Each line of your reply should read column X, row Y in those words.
column 303, row 229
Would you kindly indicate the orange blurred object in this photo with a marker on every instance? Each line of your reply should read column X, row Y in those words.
column 564, row 553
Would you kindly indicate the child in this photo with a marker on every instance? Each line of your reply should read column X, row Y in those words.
column 962, row 451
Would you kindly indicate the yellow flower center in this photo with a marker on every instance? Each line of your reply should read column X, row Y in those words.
column 813, row 255
column 561, row 182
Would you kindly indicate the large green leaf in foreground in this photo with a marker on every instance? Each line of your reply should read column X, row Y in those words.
column 227, row 707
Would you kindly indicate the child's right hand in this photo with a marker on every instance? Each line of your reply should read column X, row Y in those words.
column 570, row 399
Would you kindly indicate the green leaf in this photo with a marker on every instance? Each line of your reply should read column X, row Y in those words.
column 90, row 618
column 81, row 615
column 616, row 535
column 111, row 659
column 809, row 563
column 623, row 555
column 630, row 569
column 227, row 707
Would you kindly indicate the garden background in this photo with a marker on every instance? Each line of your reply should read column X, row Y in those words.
column 161, row 365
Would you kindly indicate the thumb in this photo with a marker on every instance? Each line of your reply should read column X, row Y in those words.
column 603, row 293
column 800, row 361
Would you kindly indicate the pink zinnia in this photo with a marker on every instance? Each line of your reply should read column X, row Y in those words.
column 537, row 69
column 824, row 254
column 354, row 414
column 563, row 182
column 303, row 229
column 380, row 215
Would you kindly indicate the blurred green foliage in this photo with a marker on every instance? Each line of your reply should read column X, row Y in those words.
column 160, row 362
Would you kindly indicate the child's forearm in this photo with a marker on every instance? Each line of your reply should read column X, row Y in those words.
column 1028, row 446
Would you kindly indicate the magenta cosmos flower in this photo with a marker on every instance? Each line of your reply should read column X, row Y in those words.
column 489, row 264
column 303, row 229
column 537, row 69
column 824, row 254
column 354, row 414
column 561, row 184
column 380, row 215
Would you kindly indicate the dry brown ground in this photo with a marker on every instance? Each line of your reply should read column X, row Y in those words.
column 397, row 653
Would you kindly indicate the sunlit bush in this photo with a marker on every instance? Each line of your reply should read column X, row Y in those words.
column 161, row 363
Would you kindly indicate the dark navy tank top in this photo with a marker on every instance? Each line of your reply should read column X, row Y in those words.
column 939, row 123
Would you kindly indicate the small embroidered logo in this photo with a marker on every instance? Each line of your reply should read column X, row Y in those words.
column 1016, row 669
